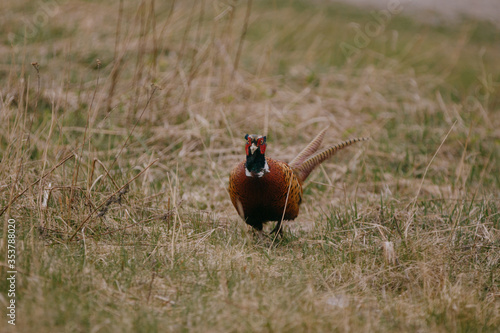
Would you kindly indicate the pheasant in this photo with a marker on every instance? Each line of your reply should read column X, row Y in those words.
column 263, row 189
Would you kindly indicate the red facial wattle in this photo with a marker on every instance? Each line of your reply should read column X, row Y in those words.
column 262, row 148
column 262, row 145
column 249, row 143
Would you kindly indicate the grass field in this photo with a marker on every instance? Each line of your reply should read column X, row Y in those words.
column 120, row 122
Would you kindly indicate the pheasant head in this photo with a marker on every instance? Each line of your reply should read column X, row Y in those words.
column 256, row 164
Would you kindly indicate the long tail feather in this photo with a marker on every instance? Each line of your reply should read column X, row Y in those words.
column 309, row 150
column 311, row 163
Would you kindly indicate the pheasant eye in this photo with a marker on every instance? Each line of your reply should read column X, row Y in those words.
column 261, row 141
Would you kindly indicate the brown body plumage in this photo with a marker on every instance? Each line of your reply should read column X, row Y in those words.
column 259, row 200
column 263, row 189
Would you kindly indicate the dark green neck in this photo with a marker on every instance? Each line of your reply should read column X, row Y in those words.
column 256, row 162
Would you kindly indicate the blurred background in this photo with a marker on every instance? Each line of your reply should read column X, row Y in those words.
column 488, row 10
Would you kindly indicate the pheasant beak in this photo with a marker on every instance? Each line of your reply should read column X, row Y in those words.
column 253, row 148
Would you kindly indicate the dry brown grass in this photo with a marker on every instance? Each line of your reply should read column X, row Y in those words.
column 116, row 170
